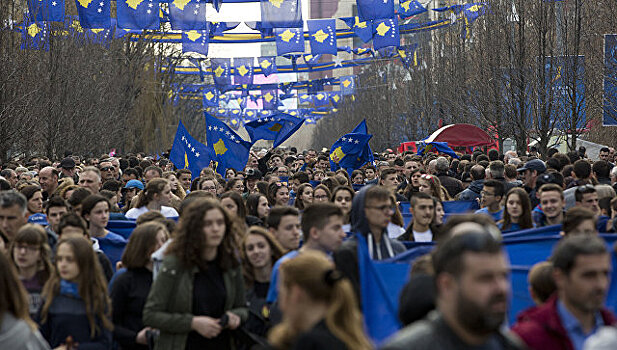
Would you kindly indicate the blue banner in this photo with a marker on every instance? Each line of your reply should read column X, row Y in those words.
column 565, row 91
column 610, row 80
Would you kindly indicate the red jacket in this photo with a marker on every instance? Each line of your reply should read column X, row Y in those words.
column 541, row 329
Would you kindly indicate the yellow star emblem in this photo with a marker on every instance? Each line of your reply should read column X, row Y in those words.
column 219, row 71
column 33, row 30
column 287, row 35
column 276, row 127
column 276, row 3
column 209, row 95
column 268, row 97
column 242, row 70
column 219, row 147
column 181, row 3
column 382, row 29
column 320, row 36
column 265, row 64
column 337, row 155
column 193, row 35
column 133, row 3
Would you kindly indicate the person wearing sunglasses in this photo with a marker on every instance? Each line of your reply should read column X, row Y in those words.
column 107, row 170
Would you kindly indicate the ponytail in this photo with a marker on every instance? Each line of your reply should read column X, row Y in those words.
column 344, row 319
column 153, row 187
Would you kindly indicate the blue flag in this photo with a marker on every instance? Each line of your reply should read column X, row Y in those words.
column 188, row 153
column 34, row 35
column 409, row 55
column 471, row 12
column 335, row 98
column 94, row 13
column 346, row 152
column 311, row 59
column 196, row 41
column 305, row 98
column 188, row 15
column 243, row 70
column 322, row 34
column 367, row 153
column 46, row 10
column 348, row 85
column 270, row 99
column 250, row 114
column 210, row 97
column 362, row 29
column 267, row 65
column 386, row 33
column 228, row 149
column 321, row 99
column 278, row 128
column 440, row 147
column 410, row 8
column 281, row 14
column 289, row 40
column 138, row 14
column 99, row 36
column 218, row 28
column 375, row 9
column 221, row 72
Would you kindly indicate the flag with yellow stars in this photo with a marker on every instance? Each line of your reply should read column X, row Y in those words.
column 347, row 84
column 196, row 41
column 243, row 70
column 322, row 36
column 267, row 65
column 94, row 13
column 227, row 148
column 270, row 99
column 34, row 35
column 410, row 8
column 346, row 152
column 211, row 98
column 221, row 71
column 386, row 33
column 188, row 153
column 46, row 10
column 375, row 9
column 138, row 14
column 281, row 14
column 187, row 14
column 289, row 40
column 278, row 127
column 362, row 29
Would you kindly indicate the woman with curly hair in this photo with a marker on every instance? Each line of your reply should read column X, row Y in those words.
column 198, row 294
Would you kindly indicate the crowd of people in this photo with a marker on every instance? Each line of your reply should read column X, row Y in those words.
column 267, row 257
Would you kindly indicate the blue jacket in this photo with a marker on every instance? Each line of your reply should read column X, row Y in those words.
column 473, row 191
column 67, row 317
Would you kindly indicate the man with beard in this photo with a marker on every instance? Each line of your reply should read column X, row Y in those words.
column 581, row 270
column 472, row 283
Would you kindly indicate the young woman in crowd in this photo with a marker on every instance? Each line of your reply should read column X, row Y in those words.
column 439, row 212
column 517, row 213
column 431, row 185
column 130, row 289
column 357, row 177
column 321, row 193
column 304, row 196
column 156, row 196
column 257, row 206
column 31, row 256
column 199, row 292
column 319, row 307
column 278, row 194
column 342, row 197
column 175, row 185
column 233, row 202
column 230, row 173
column 76, row 306
column 17, row 331
column 34, row 196
column 95, row 210
column 235, row 184
column 209, row 184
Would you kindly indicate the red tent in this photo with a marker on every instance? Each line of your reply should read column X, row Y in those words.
column 461, row 135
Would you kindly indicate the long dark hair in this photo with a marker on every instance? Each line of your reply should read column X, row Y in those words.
column 153, row 187
column 276, row 251
column 252, row 203
column 13, row 296
column 91, row 282
column 189, row 240
column 525, row 220
column 299, row 202
column 35, row 235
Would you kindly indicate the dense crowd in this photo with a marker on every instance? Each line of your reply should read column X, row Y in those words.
column 267, row 257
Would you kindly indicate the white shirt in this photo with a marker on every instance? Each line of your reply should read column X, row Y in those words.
column 426, row 236
column 168, row 212
column 394, row 230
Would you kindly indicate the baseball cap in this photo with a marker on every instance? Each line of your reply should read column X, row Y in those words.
column 134, row 184
column 67, row 163
column 534, row 164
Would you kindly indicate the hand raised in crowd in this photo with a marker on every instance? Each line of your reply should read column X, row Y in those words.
column 207, row 327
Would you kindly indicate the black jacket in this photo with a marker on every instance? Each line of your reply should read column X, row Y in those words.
column 452, row 185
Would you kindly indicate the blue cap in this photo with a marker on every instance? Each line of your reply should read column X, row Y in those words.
column 38, row 218
column 134, row 184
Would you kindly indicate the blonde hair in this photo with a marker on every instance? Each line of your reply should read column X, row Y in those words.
column 314, row 273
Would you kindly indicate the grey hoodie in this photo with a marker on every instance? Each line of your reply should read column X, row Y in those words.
column 16, row 334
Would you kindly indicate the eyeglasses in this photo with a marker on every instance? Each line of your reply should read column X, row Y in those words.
column 27, row 247
column 107, row 168
column 486, row 194
column 385, row 208
column 320, row 197
column 210, row 188
column 588, row 188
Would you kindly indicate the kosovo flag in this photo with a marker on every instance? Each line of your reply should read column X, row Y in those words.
column 386, row 33
column 335, row 98
column 196, row 41
column 409, row 55
column 409, row 8
column 289, row 40
column 243, row 70
column 311, row 59
column 46, row 10
column 138, row 14
column 362, row 29
column 346, row 152
column 375, row 9
column 210, row 97
column 250, row 114
column 99, row 36
column 221, row 72
column 471, row 12
column 228, row 149
column 321, row 99
column 218, row 28
column 188, row 153
column 267, row 65
column 188, row 15
column 367, row 153
column 34, row 35
column 278, row 128
column 270, row 99
column 322, row 34
column 439, row 147
column 94, row 13
column 348, row 86
column 305, row 98
column 266, row 113
column 281, row 14
column 256, row 25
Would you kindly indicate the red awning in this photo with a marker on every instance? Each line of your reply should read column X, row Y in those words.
column 461, row 135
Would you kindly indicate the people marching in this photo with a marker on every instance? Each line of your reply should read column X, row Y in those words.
column 130, row 252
